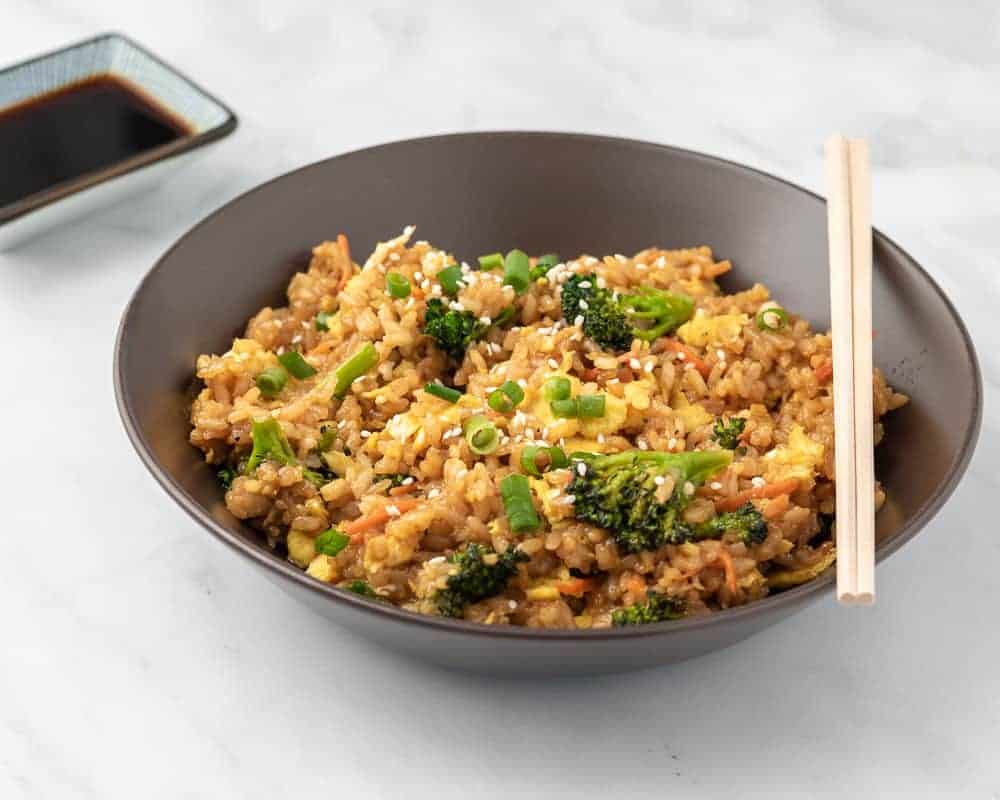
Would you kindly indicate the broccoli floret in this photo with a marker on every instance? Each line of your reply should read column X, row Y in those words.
column 270, row 444
column 727, row 433
column 624, row 493
column 657, row 608
column 746, row 521
column 226, row 476
column 614, row 320
column 453, row 330
column 481, row 573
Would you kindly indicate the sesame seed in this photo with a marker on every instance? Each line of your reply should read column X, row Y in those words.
column 583, row 305
column 643, row 445
column 522, row 383
column 757, row 481
column 585, row 284
column 407, row 481
column 394, row 256
column 672, row 443
column 660, row 262
column 365, row 434
column 342, row 423
column 433, row 493
column 379, row 400
column 485, row 320
column 391, row 510
column 553, row 363
column 649, row 366
column 511, row 604
column 581, row 469
column 721, row 355
column 715, row 485
column 634, row 363
column 579, row 320
column 601, row 438
column 659, row 480
column 418, row 275
column 688, row 488
column 457, row 306
column 602, row 284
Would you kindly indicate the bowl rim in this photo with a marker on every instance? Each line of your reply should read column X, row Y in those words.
column 787, row 599
column 54, row 193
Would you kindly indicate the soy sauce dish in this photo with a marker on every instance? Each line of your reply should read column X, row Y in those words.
column 579, row 610
column 91, row 124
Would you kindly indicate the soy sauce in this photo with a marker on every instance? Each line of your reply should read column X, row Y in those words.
column 75, row 130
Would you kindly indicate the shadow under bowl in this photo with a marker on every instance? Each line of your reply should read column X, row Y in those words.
column 542, row 192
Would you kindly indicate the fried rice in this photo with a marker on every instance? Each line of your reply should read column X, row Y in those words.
column 388, row 467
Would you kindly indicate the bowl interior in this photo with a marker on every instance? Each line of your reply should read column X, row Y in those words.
column 476, row 193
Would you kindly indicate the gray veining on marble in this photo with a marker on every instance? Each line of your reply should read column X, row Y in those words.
column 129, row 664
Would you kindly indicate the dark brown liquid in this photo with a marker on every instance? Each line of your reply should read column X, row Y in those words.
column 75, row 130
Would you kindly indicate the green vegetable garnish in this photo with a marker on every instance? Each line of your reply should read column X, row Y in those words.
column 269, row 444
column 506, row 398
column 296, row 365
column 515, row 493
column 491, row 261
column 452, row 330
column 475, row 579
column 517, row 270
column 443, row 392
column 272, row 381
column 535, row 459
column 772, row 318
column 331, row 542
column 397, row 285
column 363, row 588
column 657, row 608
column 567, row 408
column 557, row 388
column 481, row 434
column 450, row 279
column 727, row 433
column 590, row 406
column 322, row 321
column 327, row 436
column 352, row 369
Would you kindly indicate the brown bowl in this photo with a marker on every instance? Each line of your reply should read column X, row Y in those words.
column 476, row 193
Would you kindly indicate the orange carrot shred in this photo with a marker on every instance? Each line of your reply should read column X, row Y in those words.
column 405, row 488
column 730, row 569
column 768, row 490
column 379, row 516
column 346, row 274
column 824, row 371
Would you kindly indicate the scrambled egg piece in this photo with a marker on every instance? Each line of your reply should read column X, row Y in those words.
column 798, row 459
column 702, row 330
column 692, row 415
column 301, row 550
column 787, row 578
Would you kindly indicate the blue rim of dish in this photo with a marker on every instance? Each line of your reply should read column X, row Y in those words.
column 184, row 144
column 268, row 559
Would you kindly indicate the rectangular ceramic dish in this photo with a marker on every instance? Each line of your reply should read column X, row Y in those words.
column 114, row 55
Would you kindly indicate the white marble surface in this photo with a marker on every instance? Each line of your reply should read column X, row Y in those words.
column 138, row 659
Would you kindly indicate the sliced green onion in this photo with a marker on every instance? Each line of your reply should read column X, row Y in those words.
column 590, row 406
column 517, row 270
column 506, row 398
column 535, row 460
column 362, row 588
column 449, row 278
column 272, row 381
column 481, row 434
column 297, row 365
column 352, row 369
column 548, row 260
column 772, row 319
column 567, row 408
column 398, row 285
column 331, row 542
column 322, row 321
column 583, row 455
column 491, row 261
column 557, row 387
column 443, row 392
column 515, row 492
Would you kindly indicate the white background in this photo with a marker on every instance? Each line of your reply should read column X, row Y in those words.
column 139, row 659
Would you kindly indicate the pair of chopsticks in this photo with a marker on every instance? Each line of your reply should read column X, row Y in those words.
column 850, row 240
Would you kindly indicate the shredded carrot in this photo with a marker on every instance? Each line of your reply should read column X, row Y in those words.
column 730, row 569
column 405, row 488
column 717, row 269
column 768, row 490
column 824, row 371
column 690, row 356
column 349, row 271
column 576, row 587
column 776, row 506
column 379, row 516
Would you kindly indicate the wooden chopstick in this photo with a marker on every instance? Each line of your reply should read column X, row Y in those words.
column 842, row 333
column 864, row 416
column 849, row 233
